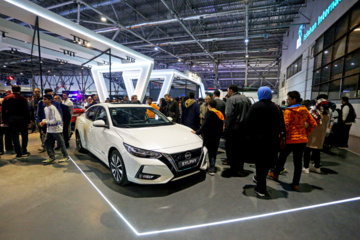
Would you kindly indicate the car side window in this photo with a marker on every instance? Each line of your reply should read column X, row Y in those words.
column 90, row 113
column 101, row 114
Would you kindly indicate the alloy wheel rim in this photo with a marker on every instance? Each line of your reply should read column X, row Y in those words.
column 78, row 143
column 116, row 167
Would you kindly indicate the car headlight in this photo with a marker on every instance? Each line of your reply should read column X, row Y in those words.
column 138, row 152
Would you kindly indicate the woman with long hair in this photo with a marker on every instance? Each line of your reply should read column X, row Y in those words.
column 163, row 106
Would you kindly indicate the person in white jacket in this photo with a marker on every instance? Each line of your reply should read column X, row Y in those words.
column 54, row 131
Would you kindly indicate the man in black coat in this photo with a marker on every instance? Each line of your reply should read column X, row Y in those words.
column 212, row 129
column 15, row 114
column 172, row 108
column 66, row 119
column 236, row 109
column 263, row 125
column 191, row 113
column 220, row 104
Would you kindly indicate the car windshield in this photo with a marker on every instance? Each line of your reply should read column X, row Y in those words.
column 134, row 117
column 78, row 105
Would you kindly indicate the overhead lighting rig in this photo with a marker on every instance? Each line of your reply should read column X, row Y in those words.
column 81, row 41
column 68, row 52
column 61, row 61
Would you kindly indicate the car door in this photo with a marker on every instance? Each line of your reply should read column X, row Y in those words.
column 88, row 127
column 100, row 140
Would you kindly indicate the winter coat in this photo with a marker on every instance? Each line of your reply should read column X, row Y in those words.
column 15, row 110
column 296, row 118
column 262, row 125
column 173, row 110
column 212, row 130
column 237, row 106
column 220, row 105
column 191, row 114
column 203, row 111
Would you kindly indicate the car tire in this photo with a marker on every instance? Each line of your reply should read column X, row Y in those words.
column 79, row 145
column 117, row 168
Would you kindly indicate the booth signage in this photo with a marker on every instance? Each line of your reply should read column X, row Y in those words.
column 130, row 59
column 192, row 76
column 320, row 19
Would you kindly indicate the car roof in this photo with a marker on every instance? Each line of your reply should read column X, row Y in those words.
column 125, row 105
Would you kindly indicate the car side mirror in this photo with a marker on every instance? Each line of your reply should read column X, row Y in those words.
column 170, row 119
column 99, row 123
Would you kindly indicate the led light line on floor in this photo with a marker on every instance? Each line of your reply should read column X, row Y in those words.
column 213, row 223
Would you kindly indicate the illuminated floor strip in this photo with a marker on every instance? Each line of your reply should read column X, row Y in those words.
column 103, row 196
column 352, row 151
column 213, row 223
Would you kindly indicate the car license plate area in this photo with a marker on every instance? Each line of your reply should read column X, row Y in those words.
column 187, row 163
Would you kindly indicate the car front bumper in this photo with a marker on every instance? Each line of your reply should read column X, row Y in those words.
column 162, row 170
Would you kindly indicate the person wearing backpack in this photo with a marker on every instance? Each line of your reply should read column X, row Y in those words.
column 348, row 117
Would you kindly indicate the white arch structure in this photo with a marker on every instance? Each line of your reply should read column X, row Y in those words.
column 168, row 75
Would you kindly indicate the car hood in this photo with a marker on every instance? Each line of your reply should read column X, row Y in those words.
column 158, row 138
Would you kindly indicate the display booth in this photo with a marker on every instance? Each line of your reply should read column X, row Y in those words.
column 75, row 44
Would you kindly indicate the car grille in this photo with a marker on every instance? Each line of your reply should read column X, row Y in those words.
column 187, row 159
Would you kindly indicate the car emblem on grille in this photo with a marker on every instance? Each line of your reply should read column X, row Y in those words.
column 188, row 155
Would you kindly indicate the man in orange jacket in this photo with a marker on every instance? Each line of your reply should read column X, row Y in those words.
column 299, row 124
column 150, row 113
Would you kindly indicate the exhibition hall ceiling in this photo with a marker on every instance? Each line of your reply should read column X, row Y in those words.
column 203, row 36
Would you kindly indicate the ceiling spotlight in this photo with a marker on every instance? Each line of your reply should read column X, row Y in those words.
column 179, row 60
column 21, row 73
column 246, row 40
column 156, row 48
column 247, row 56
column 4, row 66
column 48, row 71
column 87, row 44
column 103, row 19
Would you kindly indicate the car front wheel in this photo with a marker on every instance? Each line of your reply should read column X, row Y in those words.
column 79, row 145
column 117, row 168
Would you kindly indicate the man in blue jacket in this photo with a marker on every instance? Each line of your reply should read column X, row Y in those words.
column 40, row 115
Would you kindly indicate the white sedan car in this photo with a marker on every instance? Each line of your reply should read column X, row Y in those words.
column 139, row 144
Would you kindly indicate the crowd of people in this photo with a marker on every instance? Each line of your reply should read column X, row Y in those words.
column 294, row 127
column 50, row 114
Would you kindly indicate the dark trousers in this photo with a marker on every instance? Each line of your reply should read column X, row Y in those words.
column 66, row 134
column 297, row 150
column 50, row 141
column 2, row 133
column 311, row 153
column 14, row 132
column 8, row 143
column 344, row 135
column 233, row 144
column 42, row 131
column 212, row 152
column 264, row 160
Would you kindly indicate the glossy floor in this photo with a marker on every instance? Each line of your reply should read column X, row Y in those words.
column 58, row 202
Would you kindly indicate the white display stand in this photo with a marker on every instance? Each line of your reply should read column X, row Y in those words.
column 168, row 76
